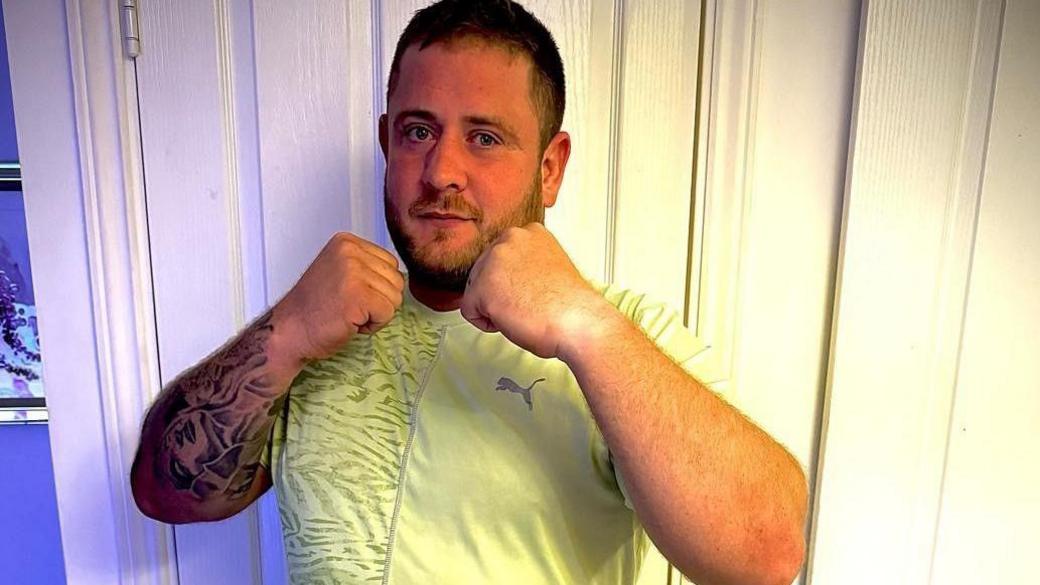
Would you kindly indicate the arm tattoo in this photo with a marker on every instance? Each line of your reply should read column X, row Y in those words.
column 215, row 419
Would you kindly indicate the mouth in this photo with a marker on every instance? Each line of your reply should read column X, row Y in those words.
column 440, row 218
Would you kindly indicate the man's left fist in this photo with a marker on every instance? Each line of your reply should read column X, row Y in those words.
column 526, row 286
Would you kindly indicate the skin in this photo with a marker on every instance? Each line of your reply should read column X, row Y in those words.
column 721, row 500
column 466, row 182
column 464, row 161
column 353, row 286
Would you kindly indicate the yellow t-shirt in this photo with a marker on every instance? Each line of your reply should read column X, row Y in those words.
column 432, row 452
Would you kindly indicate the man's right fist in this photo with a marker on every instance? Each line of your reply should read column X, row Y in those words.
column 352, row 286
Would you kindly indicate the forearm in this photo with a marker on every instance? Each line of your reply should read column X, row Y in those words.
column 202, row 440
column 722, row 500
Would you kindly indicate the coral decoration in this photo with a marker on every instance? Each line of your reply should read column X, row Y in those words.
column 12, row 318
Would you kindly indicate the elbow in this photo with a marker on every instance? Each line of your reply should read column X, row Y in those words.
column 759, row 538
column 783, row 553
column 771, row 551
column 149, row 507
column 778, row 562
column 146, row 496
column 784, row 549
column 175, row 510
column 166, row 505
column 158, row 504
column 785, row 562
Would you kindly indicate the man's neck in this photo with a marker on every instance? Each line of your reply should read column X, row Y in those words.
column 437, row 299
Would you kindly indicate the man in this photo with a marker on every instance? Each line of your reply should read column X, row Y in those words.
column 495, row 417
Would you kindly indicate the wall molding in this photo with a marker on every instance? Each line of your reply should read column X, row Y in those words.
column 222, row 14
column 655, row 119
column 722, row 187
column 236, row 33
column 366, row 204
column 118, row 248
column 616, row 74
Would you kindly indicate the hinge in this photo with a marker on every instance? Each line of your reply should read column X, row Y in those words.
column 131, row 31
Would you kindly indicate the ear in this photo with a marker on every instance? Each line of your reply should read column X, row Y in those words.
column 554, row 163
column 383, row 135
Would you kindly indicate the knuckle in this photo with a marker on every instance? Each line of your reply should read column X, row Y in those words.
column 349, row 242
column 351, row 263
column 342, row 238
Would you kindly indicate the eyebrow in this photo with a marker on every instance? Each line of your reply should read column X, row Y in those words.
column 493, row 121
column 421, row 114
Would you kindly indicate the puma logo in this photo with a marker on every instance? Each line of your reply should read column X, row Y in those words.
column 505, row 384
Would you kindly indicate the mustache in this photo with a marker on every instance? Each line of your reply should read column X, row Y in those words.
column 447, row 202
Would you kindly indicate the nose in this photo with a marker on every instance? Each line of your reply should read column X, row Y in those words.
column 445, row 166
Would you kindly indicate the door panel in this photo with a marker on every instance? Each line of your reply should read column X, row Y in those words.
column 195, row 231
column 989, row 520
column 929, row 473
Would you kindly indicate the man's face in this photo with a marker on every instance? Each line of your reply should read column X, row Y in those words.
column 461, row 140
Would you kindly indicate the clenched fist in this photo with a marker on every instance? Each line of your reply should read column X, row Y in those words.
column 352, row 286
column 525, row 286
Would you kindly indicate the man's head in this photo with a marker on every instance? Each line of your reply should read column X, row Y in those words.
column 471, row 136
column 500, row 23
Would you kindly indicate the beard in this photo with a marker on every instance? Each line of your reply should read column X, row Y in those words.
column 445, row 270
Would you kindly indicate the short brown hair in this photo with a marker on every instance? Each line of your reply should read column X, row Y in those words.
column 501, row 23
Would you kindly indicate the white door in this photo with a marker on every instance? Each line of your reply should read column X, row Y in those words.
column 989, row 519
column 258, row 134
column 931, row 468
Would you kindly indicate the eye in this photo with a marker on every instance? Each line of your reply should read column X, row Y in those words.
column 486, row 139
column 418, row 133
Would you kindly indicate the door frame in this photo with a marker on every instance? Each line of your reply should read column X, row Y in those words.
column 75, row 109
